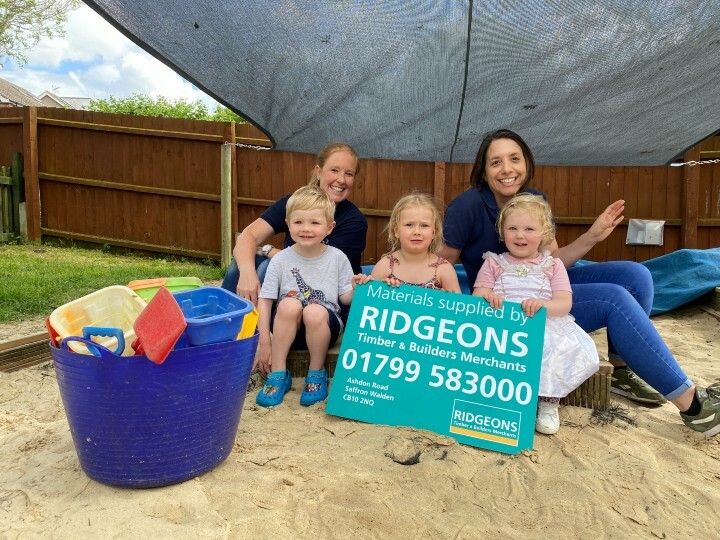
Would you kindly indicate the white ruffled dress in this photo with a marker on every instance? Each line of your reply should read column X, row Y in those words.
column 569, row 354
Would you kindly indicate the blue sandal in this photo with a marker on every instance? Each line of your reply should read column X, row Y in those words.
column 316, row 387
column 277, row 385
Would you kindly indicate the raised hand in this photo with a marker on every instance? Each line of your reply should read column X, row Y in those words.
column 606, row 222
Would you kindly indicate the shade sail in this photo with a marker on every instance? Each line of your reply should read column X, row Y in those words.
column 610, row 82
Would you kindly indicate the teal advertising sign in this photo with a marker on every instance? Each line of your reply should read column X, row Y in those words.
column 440, row 361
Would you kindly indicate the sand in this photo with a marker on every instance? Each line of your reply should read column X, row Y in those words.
column 296, row 472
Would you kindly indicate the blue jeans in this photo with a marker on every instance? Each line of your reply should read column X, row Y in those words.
column 618, row 295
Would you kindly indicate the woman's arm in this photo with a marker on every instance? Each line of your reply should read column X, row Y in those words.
column 598, row 231
column 450, row 254
column 255, row 234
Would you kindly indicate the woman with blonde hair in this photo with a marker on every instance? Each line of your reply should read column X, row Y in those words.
column 335, row 169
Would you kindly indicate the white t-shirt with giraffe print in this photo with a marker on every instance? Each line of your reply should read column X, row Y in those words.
column 312, row 281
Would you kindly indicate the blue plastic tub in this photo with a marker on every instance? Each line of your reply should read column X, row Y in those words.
column 213, row 315
column 139, row 424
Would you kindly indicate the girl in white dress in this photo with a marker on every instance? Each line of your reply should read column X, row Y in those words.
column 530, row 276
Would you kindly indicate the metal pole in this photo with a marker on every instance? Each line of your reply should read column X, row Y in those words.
column 226, row 204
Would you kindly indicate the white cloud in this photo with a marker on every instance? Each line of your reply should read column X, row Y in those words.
column 156, row 79
column 95, row 60
column 88, row 38
column 108, row 75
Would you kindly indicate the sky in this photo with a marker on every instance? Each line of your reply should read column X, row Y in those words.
column 95, row 60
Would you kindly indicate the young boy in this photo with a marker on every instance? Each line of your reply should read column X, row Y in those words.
column 307, row 280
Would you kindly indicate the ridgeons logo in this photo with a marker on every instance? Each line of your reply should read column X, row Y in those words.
column 485, row 422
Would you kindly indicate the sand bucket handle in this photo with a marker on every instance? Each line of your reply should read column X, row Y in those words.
column 95, row 348
column 104, row 331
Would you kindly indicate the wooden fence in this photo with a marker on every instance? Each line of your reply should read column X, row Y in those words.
column 6, row 205
column 11, row 195
column 154, row 184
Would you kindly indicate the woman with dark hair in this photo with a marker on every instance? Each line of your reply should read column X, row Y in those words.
column 617, row 294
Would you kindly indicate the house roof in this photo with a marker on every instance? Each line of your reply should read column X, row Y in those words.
column 77, row 102
column 51, row 99
column 17, row 96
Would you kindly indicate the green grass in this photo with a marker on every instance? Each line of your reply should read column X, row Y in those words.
column 35, row 279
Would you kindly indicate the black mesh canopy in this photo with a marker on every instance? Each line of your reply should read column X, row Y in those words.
column 611, row 82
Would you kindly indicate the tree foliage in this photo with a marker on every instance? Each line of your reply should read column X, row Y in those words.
column 223, row 114
column 24, row 22
column 142, row 105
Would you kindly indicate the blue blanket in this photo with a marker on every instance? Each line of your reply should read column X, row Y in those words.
column 679, row 277
column 683, row 276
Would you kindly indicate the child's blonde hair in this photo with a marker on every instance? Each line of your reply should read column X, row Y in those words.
column 535, row 205
column 328, row 151
column 311, row 198
column 415, row 199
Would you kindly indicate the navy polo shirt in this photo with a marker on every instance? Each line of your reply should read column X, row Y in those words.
column 469, row 226
column 348, row 235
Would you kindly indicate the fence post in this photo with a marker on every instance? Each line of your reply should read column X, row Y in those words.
column 230, row 136
column 6, row 206
column 439, row 185
column 226, row 203
column 690, row 200
column 18, row 190
column 32, row 182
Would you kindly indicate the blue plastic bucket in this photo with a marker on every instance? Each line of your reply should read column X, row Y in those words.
column 139, row 424
column 212, row 314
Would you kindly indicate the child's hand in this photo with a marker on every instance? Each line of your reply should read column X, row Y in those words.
column 360, row 279
column 532, row 305
column 495, row 300
column 393, row 282
column 263, row 357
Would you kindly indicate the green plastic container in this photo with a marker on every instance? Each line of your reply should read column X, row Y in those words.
column 146, row 288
